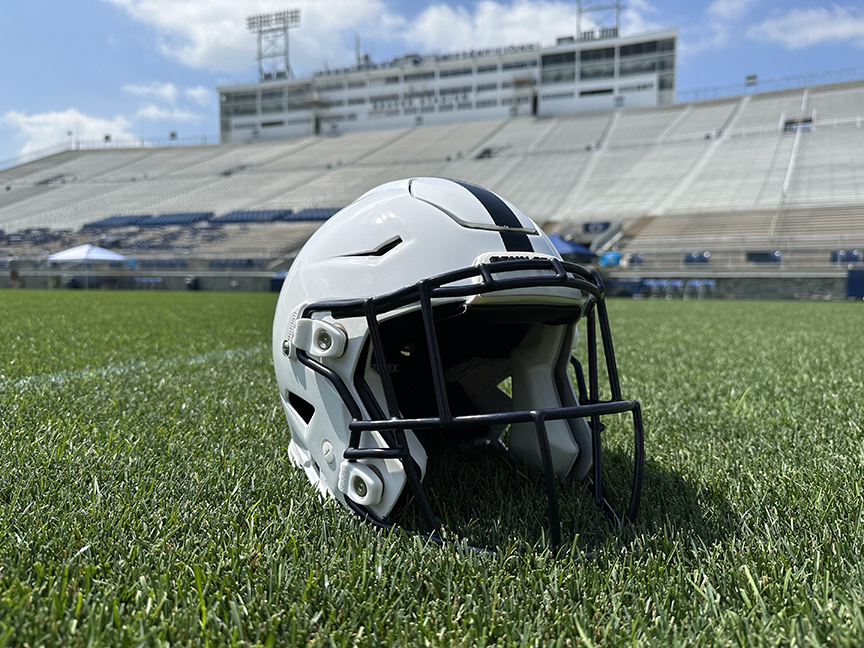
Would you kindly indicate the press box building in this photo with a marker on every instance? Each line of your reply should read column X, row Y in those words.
column 600, row 71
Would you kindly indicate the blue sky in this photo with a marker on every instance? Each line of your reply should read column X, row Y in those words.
column 143, row 68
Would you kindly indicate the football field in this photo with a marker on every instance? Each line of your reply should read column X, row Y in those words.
column 146, row 497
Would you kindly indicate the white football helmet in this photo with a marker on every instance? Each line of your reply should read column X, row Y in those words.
column 404, row 313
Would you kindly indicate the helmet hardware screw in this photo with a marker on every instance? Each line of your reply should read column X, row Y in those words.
column 359, row 486
column 286, row 347
column 327, row 451
column 324, row 340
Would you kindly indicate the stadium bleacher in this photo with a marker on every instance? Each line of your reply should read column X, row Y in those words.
column 187, row 218
column 732, row 176
column 254, row 216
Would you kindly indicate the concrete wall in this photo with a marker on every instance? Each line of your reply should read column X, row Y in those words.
column 781, row 287
column 248, row 282
column 830, row 286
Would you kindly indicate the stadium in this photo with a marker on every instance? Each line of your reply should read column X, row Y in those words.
column 745, row 196
column 151, row 491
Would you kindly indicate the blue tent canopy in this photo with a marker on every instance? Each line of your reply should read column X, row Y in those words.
column 568, row 248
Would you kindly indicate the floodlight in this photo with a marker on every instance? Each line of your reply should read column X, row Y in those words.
column 272, row 31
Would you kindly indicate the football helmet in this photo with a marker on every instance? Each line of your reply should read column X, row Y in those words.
column 400, row 319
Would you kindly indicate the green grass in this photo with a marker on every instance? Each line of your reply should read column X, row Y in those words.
column 146, row 496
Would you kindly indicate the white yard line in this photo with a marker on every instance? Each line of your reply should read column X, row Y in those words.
column 121, row 369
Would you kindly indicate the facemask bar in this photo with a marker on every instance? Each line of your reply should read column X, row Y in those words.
column 392, row 426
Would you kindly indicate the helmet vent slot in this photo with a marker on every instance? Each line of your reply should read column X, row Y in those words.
column 381, row 250
column 303, row 407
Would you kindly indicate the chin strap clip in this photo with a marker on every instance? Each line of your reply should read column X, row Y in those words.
column 316, row 337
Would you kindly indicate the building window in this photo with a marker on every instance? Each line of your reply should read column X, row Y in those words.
column 558, row 75
column 519, row 65
column 457, row 90
column 355, row 101
column 426, row 94
column 488, row 103
column 273, row 101
column 418, row 76
column 651, row 47
column 597, row 64
column 239, row 104
column 647, row 58
column 486, row 87
column 390, row 80
column 564, row 58
column 356, row 84
column 454, row 73
column 486, row 69
column 594, row 93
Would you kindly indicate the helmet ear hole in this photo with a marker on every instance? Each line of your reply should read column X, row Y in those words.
column 304, row 408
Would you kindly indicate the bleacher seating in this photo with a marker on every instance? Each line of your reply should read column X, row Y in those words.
column 724, row 176
column 312, row 214
column 254, row 216
column 116, row 221
column 189, row 218
column 235, row 264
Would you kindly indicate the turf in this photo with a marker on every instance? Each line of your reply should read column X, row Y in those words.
column 146, row 496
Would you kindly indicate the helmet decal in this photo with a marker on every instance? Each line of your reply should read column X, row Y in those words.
column 502, row 215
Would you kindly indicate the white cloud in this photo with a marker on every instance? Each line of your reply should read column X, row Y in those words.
column 729, row 10
column 200, row 95
column 152, row 112
column 41, row 130
column 442, row 28
column 634, row 20
column 165, row 91
column 212, row 35
column 719, row 29
column 804, row 27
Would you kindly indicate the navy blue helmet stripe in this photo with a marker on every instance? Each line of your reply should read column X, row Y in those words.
column 503, row 216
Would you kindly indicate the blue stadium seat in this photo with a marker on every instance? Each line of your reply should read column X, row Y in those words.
column 313, row 214
column 697, row 257
column 117, row 221
column 254, row 216
column 184, row 218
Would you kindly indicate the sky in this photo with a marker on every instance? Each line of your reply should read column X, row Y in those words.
column 142, row 68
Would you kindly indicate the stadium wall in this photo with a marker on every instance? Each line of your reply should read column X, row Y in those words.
column 811, row 286
column 225, row 282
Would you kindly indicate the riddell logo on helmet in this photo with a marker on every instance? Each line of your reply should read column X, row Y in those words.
column 495, row 257
column 515, row 257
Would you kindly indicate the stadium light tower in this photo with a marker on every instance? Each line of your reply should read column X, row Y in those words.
column 604, row 20
column 272, row 31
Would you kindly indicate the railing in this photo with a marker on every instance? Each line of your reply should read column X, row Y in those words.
column 815, row 242
column 772, row 85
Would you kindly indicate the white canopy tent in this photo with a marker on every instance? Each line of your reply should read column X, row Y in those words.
column 88, row 255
